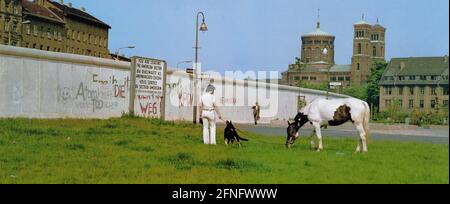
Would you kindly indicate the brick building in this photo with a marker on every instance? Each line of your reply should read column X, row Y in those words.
column 52, row 26
column 415, row 83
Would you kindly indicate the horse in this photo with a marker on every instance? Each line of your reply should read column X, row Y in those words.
column 322, row 112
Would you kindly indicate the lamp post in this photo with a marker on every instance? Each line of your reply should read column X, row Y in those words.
column 202, row 28
column 118, row 50
column 9, row 31
column 325, row 52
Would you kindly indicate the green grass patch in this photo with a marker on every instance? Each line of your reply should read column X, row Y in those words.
column 136, row 150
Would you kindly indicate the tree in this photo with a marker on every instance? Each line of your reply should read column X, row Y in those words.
column 359, row 92
column 373, row 88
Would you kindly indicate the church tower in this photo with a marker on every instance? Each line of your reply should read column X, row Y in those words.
column 368, row 48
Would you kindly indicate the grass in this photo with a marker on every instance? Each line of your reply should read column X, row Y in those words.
column 132, row 150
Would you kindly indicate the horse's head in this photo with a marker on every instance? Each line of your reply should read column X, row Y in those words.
column 292, row 133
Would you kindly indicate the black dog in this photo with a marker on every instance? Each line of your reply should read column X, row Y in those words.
column 231, row 134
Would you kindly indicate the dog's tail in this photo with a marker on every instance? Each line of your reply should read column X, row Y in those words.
column 243, row 139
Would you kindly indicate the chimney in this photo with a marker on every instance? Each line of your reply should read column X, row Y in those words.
column 70, row 5
column 83, row 9
column 61, row 2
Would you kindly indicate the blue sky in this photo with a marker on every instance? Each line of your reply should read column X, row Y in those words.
column 265, row 34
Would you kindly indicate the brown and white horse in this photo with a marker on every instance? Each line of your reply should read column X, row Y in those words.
column 322, row 112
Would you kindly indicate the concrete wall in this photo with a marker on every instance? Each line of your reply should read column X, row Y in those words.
column 40, row 84
column 236, row 98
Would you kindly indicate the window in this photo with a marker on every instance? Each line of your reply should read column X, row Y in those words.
column 388, row 90
column 413, row 78
column 358, row 67
column 34, row 45
column 305, row 78
column 400, row 91
column 445, row 103
column 313, row 78
column 359, row 48
column 55, row 35
column 422, row 91
column 49, row 35
column 347, row 78
column 423, row 77
column 35, row 30
column 41, row 47
column 388, row 103
column 28, row 28
column 434, row 78
column 297, row 78
column 401, row 78
column 411, row 90
column 422, row 104
column 333, row 79
column 445, row 91
column 411, row 104
column 59, row 36
column 433, row 91
column 433, row 103
column 374, row 49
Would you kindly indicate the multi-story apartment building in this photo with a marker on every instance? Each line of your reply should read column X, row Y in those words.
column 415, row 83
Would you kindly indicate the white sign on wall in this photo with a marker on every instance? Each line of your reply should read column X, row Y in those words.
column 149, row 78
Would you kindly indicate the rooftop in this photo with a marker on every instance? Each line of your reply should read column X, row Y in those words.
column 83, row 15
column 416, row 66
column 318, row 32
column 33, row 8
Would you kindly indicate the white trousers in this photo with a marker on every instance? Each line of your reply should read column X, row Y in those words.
column 209, row 127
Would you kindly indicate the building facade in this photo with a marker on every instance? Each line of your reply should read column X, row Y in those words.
column 54, row 26
column 316, row 63
column 415, row 83
column 10, row 22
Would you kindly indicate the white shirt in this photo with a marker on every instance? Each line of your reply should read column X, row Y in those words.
column 208, row 101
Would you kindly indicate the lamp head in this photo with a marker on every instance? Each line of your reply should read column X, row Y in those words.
column 204, row 27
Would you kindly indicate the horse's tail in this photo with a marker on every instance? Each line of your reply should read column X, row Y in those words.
column 366, row 120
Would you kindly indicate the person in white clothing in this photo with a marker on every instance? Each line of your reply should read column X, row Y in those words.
column 208, row 112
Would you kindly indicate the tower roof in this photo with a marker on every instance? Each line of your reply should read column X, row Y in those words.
column 318, row 32
column 362, row 21
column 377, row 25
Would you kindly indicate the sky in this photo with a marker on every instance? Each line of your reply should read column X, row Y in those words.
column 265, row 34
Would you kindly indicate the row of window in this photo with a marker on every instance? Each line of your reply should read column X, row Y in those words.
column 318, row 42
column 411, row 103
column 44, row 33
column 306, row 78
column 11, row 7
column 68, row 50
column 413, row 78
column 86, row 38
column 411, row 90
column 340, row 78
column 374, row 49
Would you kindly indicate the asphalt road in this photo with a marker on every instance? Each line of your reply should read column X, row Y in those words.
column 439, row 136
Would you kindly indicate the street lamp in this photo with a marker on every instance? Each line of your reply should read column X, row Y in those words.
column 118, row 50
column 325, row 52
column 202, row 28
column 9, row 31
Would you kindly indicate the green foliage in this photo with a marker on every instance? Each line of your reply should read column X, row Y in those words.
column 359, row 92
column 139, row 150
column 321, row 87
column 373, row 80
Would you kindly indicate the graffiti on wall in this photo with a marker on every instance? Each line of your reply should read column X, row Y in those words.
column 95, row 94
column 180, row 94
